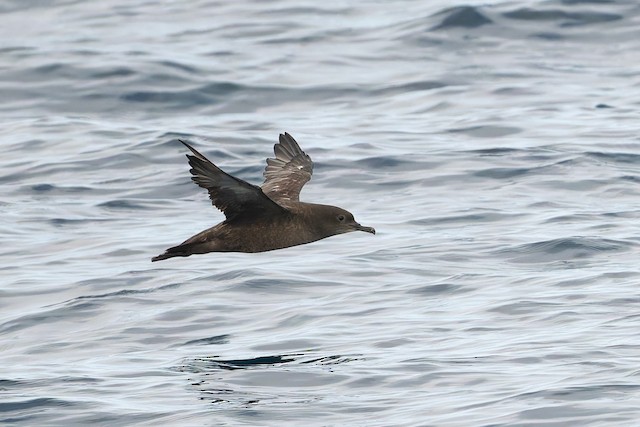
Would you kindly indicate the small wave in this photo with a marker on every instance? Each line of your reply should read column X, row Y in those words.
column 112, row 72
column 382, row 162
column 42, row 402
column 188, row 97
column 410, row 87
column 218, row 339
column 502, row 173
column 462, row 16
column 122, row 204
column 566, row 19
column 487, row 131
column 464, row 219
column 56, row 189
column 615, row 157
column 437, row 289
column 563, row 249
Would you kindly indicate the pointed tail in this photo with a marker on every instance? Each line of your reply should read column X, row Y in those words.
column 180, row 250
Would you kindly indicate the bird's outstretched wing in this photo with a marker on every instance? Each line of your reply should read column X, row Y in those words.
column 285, row 175
column 234, row 197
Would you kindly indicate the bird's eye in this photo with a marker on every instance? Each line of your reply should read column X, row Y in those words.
column 341, row 218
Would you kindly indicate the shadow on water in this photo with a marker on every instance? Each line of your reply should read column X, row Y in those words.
column 243, row 381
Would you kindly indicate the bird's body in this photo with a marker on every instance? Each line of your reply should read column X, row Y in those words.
column 260, row 219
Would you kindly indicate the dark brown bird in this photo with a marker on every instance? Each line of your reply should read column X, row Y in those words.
column 260, row 219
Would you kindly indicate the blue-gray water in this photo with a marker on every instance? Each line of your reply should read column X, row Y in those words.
column 494, row 146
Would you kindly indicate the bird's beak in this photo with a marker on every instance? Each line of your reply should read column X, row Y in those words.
column 366, row 229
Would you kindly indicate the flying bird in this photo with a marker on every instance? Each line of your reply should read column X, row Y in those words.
column 260, row 219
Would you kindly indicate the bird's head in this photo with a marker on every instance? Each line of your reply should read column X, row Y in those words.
column 336, row 220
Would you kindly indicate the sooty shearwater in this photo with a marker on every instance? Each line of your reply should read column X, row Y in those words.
column 260, row 219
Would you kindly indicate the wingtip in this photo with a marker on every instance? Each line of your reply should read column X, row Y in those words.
column 287, row 136
column 196, row 153
column 185, row 144
column 288, row 144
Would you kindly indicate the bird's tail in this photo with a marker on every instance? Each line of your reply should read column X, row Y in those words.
column 180, row 250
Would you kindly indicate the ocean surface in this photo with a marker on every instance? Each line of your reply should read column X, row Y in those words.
column 494, row 146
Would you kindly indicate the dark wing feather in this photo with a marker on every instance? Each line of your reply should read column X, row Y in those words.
column 234, row 197
column 291, row 169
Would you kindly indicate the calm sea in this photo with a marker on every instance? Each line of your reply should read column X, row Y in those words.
column 493, row 145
